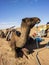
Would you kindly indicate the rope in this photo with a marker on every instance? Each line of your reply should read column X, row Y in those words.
column 37, row 59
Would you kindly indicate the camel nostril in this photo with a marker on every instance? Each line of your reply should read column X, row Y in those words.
column 38, row 21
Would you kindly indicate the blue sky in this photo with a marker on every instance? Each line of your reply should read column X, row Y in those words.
column 12, row 11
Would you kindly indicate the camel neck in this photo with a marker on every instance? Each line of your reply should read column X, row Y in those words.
column 24, row 36
column 25, row 31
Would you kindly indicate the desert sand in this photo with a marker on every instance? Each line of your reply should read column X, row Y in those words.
column 7, row 58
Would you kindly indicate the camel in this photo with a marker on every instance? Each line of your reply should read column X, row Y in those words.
column 8, row 31
column 18, row 39
column 2, row 34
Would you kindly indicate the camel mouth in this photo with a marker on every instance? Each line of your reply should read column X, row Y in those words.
column 36, row 19
column 38, row 22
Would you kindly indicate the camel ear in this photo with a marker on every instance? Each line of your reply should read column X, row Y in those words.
column 23, row 20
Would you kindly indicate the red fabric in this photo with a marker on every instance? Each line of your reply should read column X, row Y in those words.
column 34, row 35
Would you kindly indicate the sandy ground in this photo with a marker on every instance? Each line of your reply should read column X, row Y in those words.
column 5, row 53
column 7, row 56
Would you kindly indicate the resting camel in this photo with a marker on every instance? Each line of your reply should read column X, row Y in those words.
column 18, row 39
column 8, row 32
column 2, row 34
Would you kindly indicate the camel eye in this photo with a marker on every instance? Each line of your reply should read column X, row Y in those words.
column 25, row 20
column 18, row 33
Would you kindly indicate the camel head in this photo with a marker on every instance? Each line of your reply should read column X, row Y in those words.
column 30, row 21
